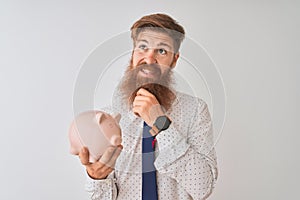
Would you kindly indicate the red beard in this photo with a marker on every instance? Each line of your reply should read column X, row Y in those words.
column 158, row 84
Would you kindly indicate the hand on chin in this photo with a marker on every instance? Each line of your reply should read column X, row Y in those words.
column 146, row 106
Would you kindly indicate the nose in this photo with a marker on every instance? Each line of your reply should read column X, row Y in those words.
column 150, row 56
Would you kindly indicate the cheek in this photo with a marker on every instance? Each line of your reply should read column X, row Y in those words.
column 166, row 62
column 166, row 65
column 164, row 70
column 136, row 57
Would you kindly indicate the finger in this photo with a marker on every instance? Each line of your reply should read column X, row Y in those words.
column 114, row 157
column 144, row 92
column 138, row 110
column 84, row 156
column 145, row 101
column 98, row 170
column 142, row 98
column 139, row 103
column 107, row 154
column 103, row 173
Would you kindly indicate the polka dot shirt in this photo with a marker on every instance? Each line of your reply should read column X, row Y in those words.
column 185, row 158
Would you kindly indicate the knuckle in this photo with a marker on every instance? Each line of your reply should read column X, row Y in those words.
column 101, row 171
column 91, row 171
column 110, row 149
column 143, row 109
column 148, row 100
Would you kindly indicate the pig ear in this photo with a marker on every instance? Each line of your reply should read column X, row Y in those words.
column 117, row 117
column 100, row 117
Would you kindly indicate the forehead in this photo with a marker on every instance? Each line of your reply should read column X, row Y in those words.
column 155, row 38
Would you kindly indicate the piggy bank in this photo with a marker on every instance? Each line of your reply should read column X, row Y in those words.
column 95, row 130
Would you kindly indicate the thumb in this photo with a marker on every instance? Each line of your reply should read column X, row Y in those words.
column 84, row 156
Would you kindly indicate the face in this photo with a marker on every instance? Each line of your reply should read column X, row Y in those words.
column 153, row 48
column 150, row 67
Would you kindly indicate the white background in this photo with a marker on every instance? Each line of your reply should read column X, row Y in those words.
column 255, row 45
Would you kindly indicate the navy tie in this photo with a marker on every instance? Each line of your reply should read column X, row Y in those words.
column 149, row 189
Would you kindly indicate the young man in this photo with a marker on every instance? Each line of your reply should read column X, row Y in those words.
column 167, row 149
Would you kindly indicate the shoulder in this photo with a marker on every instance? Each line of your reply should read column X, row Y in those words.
column 188, row 100
column 187, row 106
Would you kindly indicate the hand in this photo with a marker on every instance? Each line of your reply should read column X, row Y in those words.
column 102, row 168
column 147, row 106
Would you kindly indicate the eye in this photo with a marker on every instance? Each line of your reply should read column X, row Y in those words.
column 142, row 46
column 162, row 51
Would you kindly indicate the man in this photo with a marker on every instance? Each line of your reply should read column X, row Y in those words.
column 180, row 162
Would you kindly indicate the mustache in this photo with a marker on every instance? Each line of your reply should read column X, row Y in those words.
column 159, row 84
column 153, row 68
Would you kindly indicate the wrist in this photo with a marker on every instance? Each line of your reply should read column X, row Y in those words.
column 161, row 123
column 155, row 112
column 95, row 177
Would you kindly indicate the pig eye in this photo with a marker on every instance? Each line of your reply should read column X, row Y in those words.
column 111, row 125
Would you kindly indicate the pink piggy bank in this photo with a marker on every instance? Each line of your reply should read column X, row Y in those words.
column 97, row 131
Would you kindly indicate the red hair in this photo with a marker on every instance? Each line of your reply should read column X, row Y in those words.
column 159, row 22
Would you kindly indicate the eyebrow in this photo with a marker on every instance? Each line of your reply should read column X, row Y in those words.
column 164, row 44
column 143, row 41
column 159, row 44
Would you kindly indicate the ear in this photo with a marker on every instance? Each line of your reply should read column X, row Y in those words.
column 100, row 117
column 117, row 117
column 176, row 56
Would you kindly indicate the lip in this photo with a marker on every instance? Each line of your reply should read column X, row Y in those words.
column 148, row 72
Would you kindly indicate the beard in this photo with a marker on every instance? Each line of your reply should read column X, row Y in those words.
column 158, row 84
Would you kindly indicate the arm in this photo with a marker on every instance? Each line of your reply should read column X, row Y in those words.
column 190, row 160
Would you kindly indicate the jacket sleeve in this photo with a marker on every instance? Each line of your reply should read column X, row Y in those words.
column 190, row 158
column 104, row 189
